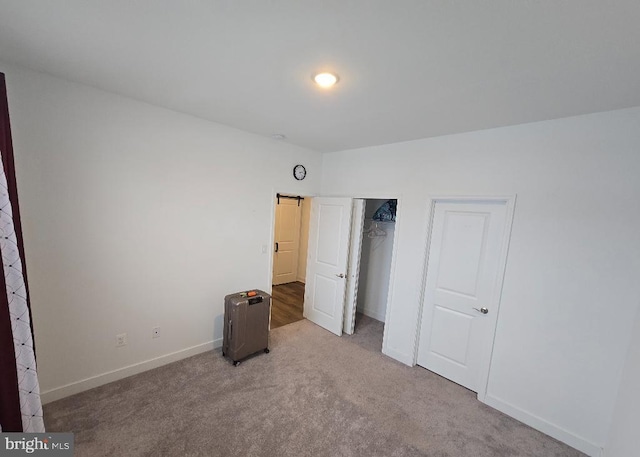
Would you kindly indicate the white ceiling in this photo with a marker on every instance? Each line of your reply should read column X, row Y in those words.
column 408, row 68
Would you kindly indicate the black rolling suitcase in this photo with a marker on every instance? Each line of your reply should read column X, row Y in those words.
column 246, row 324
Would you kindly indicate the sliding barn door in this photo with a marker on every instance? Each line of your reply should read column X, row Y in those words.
column 287, row 240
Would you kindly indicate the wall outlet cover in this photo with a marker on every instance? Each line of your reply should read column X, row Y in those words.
column 121, row 340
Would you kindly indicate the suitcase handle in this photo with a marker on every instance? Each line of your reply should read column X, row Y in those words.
column 230, row 329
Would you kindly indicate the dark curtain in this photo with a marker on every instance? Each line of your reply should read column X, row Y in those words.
column 10, row 415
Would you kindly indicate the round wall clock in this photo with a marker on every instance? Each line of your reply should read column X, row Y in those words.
column 299, row 172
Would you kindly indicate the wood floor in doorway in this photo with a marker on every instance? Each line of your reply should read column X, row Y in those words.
column 286, row 304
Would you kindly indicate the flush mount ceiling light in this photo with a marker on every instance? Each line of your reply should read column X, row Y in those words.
column 325, row 80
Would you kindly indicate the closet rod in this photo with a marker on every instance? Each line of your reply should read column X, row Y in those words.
column 298, row 197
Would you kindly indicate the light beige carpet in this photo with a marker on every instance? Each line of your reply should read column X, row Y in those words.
column 315, row 394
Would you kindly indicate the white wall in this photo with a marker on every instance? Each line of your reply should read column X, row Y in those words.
column 624, row 439
column 375, row 265
column 571, row 288
column 136, row 216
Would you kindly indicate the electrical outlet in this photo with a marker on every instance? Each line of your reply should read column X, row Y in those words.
column 121, row 340
column 155, row 332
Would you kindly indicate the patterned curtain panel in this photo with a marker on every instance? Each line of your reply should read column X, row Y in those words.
column 20, row 407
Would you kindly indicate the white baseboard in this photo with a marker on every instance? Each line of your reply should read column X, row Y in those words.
column 371, row 313
column 545, row 427
column 121, row 373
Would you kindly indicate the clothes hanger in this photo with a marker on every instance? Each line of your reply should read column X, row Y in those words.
column 375, row 231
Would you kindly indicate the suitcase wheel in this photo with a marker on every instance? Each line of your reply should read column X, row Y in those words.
column 236, row 363
column 266, row 350
column 223, row 354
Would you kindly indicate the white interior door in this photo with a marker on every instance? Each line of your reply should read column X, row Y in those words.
column 353, row 273
column 462, row 289
column 287, row 241
column 329, row 231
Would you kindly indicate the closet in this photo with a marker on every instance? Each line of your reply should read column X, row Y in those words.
column 375, row 257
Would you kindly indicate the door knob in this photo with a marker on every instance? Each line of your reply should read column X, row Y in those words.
column 482, row 310
column 340, row 275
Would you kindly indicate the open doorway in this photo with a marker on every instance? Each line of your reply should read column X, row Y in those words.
column 291, row 238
